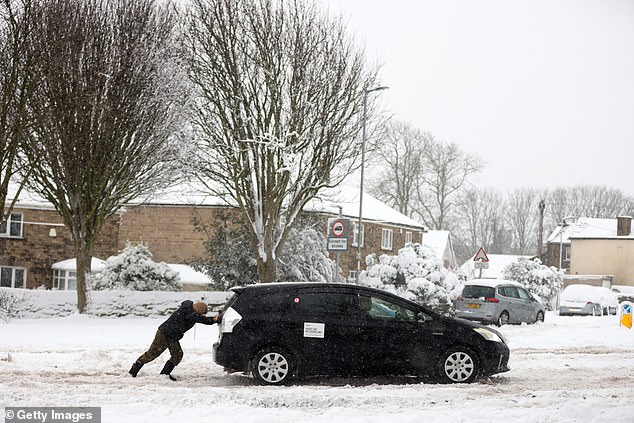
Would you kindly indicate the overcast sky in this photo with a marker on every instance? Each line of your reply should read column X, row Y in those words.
column 542, row 90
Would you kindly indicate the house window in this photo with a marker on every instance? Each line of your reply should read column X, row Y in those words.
column 12, row 277
column 386, row 239
column 12, row 228
column 64, row 280
column 567, row 253
column 352, row 276
column 408, row 237
column 355, row 235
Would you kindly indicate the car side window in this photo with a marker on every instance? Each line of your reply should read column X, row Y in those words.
column 509, row 291
column 379, row 308
column 323, row 303
column 523, row 294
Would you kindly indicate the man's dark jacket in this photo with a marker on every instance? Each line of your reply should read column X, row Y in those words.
column 183, row 320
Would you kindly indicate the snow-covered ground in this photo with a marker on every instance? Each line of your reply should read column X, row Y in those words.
column 569, row 369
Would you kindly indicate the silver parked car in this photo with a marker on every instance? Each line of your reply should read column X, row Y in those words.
column 498, row 301
column 586, row 300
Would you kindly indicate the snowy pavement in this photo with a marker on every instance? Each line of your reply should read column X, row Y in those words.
column 568, row 369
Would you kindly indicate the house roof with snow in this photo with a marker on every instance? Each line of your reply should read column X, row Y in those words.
column 96, row 265
column 348, row 199
column 587, row 227
column 497, row 263
column 327, row 202
column 440, row 241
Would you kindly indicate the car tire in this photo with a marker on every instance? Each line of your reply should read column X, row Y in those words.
column 458, row 365
column 273, row 366
column 540, row 317
column 503, row 319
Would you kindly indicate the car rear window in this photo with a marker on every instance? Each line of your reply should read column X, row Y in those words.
column 477, row 291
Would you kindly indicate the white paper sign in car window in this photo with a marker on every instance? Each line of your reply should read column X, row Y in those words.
column 314, row 330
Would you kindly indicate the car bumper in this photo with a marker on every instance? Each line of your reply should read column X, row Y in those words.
column 495, row 358
column 579, row 311
column 225, row 354
column 476, row 316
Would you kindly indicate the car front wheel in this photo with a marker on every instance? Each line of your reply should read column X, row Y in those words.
column 540, row 317
column 458, row 365
column 273, row 366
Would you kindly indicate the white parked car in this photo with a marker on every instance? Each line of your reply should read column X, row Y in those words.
column 579, row 299
column 624, row 292
column 609, row 300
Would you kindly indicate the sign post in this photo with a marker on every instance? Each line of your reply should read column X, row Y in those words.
column 338, row 231
column 481, row 261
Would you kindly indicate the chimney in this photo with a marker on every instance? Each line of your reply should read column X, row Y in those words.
column 623, row 225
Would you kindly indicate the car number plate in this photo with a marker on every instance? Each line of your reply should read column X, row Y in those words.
column 473, row 305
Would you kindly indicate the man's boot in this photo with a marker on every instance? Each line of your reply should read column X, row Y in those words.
column 134, row 370
column 167, row 370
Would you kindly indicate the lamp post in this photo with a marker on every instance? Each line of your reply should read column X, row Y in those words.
column 365, row 109
column 564, row 223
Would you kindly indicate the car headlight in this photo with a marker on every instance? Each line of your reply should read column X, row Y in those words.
column 489, row 335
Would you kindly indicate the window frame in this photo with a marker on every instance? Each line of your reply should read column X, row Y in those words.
column 63, row 277
column 6, row 231
column 15, row 269
column 387, row 239
column 409, row 237
column 355, row 234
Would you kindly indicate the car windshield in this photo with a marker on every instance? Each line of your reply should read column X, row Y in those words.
column 477, row 291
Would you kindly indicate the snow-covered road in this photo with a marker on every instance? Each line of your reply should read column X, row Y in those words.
column 567, row 369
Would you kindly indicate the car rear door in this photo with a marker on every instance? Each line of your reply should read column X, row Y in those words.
column 322, row 325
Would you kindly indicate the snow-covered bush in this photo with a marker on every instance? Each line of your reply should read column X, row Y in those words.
column 10, row 305
column 304, row 257
column 416, row 274
column 135, row 270
column 542, row 281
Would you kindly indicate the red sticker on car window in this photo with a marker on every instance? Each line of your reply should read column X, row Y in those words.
column 296, row 300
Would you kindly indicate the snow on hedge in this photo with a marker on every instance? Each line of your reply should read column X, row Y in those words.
column 543, row 281
column 40, row 303
column 416, row 273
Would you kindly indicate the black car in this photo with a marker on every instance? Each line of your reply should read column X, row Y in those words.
column 281, row 330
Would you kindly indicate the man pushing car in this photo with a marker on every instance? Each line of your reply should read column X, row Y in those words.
column 171, row 332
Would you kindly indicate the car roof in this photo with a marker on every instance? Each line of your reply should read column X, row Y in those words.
column 492, row 283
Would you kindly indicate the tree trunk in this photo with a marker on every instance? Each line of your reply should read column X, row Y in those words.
column 267, row 270
column 83, row 267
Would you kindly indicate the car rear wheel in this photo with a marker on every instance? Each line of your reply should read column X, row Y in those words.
column 458, row 365
column 273, row 366
column 504, row 318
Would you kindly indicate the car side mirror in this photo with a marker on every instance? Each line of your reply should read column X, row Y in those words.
column 422, row 317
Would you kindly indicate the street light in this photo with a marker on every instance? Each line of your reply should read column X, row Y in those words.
column 365, row 108
column 564, row 223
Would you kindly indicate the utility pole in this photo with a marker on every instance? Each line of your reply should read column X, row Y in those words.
column 540, row 233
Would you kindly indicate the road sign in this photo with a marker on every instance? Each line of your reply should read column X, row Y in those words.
column 481, row 256
column 481, row 265
column 338, row 230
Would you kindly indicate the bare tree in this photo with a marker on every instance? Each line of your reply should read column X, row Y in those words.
column 481, row 222
column 112, row 96
column 17, row 83
column 446, row 169
column 281, row 92
column 399, row 158
column 522, row 211
column 586, row 201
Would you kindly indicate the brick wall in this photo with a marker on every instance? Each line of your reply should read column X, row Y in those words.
column 37, row 250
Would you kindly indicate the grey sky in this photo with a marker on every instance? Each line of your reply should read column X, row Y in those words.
column 542, row 90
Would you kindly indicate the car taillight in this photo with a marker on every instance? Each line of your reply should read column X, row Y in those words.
column 491, row 300
column 230, row 318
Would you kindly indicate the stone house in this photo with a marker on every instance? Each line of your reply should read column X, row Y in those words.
column 596, row 251
column 35, row 238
